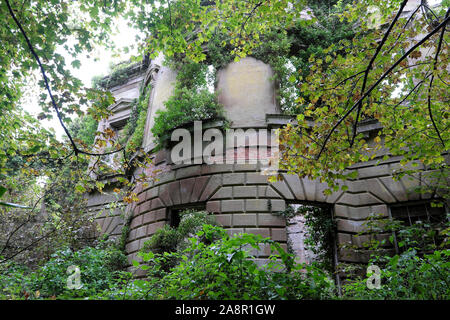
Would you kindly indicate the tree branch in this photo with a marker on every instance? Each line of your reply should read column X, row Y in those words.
column 47, row 86
column 432, row 78
column 384, row 75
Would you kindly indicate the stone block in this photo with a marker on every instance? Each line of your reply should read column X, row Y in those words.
column 136, row 221
column 233, row 206
column 363, row 240
column 262, row 191
column 247, row 92
column 149, row 217
column 278, row 234
column 282, row 188
column 256, row 178
column 267, row 219
column 241, row 220
column 188, row 172
column 161, row 214
column 213, row 207
column 223, row 219
column 257, row 205
column 375, row 187
column 217, row 168
column 174, row 192
column 373, row 171
column 344, row 238
column 278, row 205
column 341, row 210
column 186, row 188
column 295, row 186
column 358, row 199
column 153, row 227
column 233, row 178
column 213, row 184
column 350, row 226
column 164, row 195
column 245, row 167
column 270, row 193
column 132, row 246
column 156, row 204
column 309, row 187
column 141, row 232
column 145, row 207
column 244, row 192
column 223, row 193
column 151, row 193
column 200, row 183
column 164, row 177
column 263, row 232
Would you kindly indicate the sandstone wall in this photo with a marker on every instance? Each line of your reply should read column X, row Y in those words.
column 238, row 195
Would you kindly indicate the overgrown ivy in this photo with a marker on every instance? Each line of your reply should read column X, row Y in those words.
column 288, row 51
column 320, row 228
column 190, row 101
column 133, row 132
column 119, row 74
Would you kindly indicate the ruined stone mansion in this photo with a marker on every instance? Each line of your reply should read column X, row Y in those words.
column 237, row 195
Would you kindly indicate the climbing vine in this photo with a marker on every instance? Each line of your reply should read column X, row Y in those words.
column 133, row 132
column 288, row 51
column 190, row 101
column 320, row 228
column 119, row 74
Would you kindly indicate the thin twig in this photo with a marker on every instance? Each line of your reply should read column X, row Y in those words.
column 384, row 75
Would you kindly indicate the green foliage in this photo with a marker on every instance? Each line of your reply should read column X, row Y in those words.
column 320, row 231
column 422, row 236
column 133, row 132
column 170, row 239
column 197, row 23
column 408, row 276
column 356, row 81
column 165, row 239
column 216, row 266
column 287, row 50
column 420, row 271
column 190, row 101
column 13, row 277
column 84, row 129
column 99, row 268
column 118, row 74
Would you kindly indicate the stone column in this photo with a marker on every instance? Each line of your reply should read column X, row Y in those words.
column 162, row 79
column 247, row 91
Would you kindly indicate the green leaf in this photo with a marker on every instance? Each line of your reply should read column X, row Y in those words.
column 76, row 64
column 2, row 191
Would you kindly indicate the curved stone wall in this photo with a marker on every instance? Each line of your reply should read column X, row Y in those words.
column 238, row 195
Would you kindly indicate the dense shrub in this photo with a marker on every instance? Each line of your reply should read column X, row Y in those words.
column 197, row 260
column 169, row 239
column 421, row 269
column 216, row 266
column 407, row 276
column 99, row 268
column 184, row 107
column 13, row 280
column 191, row 100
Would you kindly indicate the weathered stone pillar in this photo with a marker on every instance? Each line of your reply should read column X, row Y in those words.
column 247, row 92
column 162, row 79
